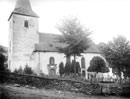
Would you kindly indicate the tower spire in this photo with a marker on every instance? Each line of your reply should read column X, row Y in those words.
column 23, row 7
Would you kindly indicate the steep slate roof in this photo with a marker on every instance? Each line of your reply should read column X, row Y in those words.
column 23, row 7
column 48, row 43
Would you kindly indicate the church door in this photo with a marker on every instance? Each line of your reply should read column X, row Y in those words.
column 52, row 72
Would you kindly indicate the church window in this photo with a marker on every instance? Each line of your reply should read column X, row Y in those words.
column 26, row 23
column 83, row 62
column 52, row 60
column 83, row 73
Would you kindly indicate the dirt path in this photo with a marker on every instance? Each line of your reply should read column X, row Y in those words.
column 18, row 92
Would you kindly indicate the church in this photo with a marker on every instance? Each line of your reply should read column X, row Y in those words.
column 27, row 46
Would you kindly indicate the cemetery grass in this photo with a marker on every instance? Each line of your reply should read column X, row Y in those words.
column 26, row 92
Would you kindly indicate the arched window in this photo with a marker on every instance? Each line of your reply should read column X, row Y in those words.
column 83, row 62
column 26, row 23
column 52, row 60
column 83, row 73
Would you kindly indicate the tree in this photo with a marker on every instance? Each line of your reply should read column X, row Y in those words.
column 2, row 62
column 20, row 70
column 78, row 69
column 72, row 67
column 75, row 36
column 27, row 70
column 117, row 53
column 67, row 68
column 3, row 59
column 97, row 64
column 61, row 68
column 15, row 71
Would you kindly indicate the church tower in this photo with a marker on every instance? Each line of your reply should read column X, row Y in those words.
column 23, row 35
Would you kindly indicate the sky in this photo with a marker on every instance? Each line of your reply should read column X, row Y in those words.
column 104, row 18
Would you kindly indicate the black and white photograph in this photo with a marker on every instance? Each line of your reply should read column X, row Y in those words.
column 64, row 49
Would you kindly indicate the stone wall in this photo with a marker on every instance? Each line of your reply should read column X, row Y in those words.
column 50, row 83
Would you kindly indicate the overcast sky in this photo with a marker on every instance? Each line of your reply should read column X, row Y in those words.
column 105, row 18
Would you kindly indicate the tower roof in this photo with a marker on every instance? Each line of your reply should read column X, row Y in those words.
column 23, row 7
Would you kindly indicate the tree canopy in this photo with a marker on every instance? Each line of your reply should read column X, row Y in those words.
column 3, row 59
column 117, row 53
column 75, row 36
column 27, row 70
column 2, row 62
column 97, row 64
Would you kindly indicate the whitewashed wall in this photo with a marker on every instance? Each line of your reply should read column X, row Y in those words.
column 43, row 58
column 22, row 40
column 88, row 57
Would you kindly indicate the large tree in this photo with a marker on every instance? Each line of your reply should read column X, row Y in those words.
column 75, row 36
column 117, row 53
column 97, row 64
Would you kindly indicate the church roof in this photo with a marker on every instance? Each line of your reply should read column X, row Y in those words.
column 23, row 7
column 48, row 43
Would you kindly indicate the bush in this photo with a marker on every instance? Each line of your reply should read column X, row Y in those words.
column 2, row 62
column 67, row 68
column 42, row 74
column 61, row 69
column 28, row 70
column 97, row 64
column 18, row 71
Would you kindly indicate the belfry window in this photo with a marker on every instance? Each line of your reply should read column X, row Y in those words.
column 26, row 23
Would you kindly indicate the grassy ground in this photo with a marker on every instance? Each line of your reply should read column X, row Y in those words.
column 19, row 92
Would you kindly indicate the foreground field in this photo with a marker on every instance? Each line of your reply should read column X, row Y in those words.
column 26, row 92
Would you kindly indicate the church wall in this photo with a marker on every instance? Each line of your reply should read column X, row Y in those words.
column 88, row 57
column 10, row 38
column 23, row 40
column 44, row 60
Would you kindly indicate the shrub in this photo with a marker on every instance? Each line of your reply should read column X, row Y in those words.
column 67, row 68
column 78, row 69
column 2, row 62
column 61, row 69
column 20, row 70
column 27, row 70
column 97, row 64
column 42, row 75
column 15, row 71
